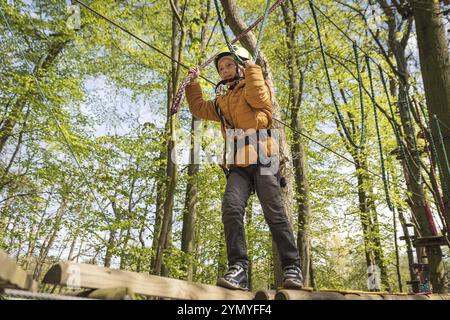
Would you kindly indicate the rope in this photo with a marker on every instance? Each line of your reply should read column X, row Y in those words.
column 52, row 112
column 180, row 93
column 380, row 147
column 433, row 149
column 224, row 32
column 338, row 110
column 37, row 295
column 433, row 152
column 263, row 25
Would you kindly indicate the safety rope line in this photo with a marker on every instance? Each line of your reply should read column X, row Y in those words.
column 58, row 124
column 327, row 73
column 22, row 294
column 224, row 32
column 181, row 90
column 380, row 147
column 434, row 149
column 432, row 152
column 261, row 31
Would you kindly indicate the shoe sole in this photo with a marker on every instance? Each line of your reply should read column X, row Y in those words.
column 221, row 282
column 292, row 284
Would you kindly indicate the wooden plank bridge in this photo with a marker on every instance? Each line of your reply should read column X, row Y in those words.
column 95, row 282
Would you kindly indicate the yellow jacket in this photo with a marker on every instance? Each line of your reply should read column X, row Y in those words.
column 248, row 106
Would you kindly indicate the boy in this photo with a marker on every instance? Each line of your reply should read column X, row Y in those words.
column 247, row 105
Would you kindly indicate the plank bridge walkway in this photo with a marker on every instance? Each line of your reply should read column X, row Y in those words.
column 94, row 282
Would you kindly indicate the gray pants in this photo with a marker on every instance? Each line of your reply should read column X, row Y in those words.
column 237, row 192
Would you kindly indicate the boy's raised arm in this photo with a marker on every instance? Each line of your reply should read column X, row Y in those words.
column 257, row 93
column 200, row 108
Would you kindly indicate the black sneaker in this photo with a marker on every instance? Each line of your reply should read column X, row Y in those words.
column 235, row 278
column 293, row 278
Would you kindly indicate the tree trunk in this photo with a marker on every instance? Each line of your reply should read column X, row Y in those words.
column 49, row 241
column 237, row 25
column 112, row 241
column 178, row 42
column 190, row 207
column 416, row 198
column 191, row 202
column 368, row 213
column 435, row 67
column 297, row 146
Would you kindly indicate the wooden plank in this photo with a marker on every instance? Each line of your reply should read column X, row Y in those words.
column 365, row 296
column 430, row 241
column 329, row 294
column 94, row 277
column 13, row 276
column 286, row 294
column 405, row 297
column 265, row 295
column 111, row 294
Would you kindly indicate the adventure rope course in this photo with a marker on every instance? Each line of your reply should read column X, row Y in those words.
column 406, row 103
column 418, row 162
column 180, row 93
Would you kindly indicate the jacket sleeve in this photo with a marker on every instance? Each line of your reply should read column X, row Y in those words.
column 256, row 92
column 200, row 108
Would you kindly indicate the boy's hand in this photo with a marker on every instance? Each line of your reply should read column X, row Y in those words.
column 248, row 63
column 195, row 73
